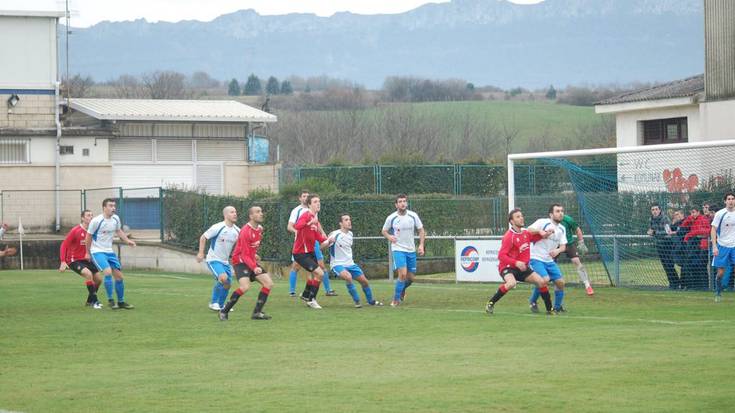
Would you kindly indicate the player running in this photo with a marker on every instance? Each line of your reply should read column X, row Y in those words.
column 309, row 238
column 98, row 245
column 574, row 248
column 222, row 237
column 71, row 255
column 723, row 242
column 544, row 252
column 514, row 257
column 343, row 265
column 399, row 229
column 246, row 267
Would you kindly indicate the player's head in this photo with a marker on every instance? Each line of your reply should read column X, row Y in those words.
column 729, row 199
column 314, row 203
column 556, row 212
column 345, row 221
column 108, row 206
column 256, row 214
column 229, row 213
column 302, row 197
column 401, row 202
column 655, row 210
column 86, row 216
column 515, row 218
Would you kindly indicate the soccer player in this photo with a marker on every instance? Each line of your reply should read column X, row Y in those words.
column 514, row 257
column 98, row 245
column 222, row 237
column 71, row 255
column 399, row 229
column 723, row 241
column 343, row 265
column 246, row 267
column 308, row 238
column 544, row 252
column 574, row 248
column 293, row 275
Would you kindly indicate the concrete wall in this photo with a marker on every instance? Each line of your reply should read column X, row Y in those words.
column 241, row 177
column 32, row 111
column 27, row 52
column 718, row 120
column 629, row 134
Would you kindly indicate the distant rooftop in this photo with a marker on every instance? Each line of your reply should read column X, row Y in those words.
column 32, row 13
column 688, row 87
column 171, row 110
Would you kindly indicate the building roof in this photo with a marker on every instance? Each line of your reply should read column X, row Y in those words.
column 170, row 110
column 688, row 87
column 32, row 13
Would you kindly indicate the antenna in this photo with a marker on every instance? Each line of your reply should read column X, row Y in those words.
column 68, row 32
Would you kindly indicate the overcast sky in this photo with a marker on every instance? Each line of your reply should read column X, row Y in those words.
column 88, row 12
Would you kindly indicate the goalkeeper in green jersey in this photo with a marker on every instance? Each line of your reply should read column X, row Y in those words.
column 574, row 249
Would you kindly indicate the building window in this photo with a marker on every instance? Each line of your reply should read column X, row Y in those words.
column 14, row 151
column 66, row 150
column 85, row 152
column 660, row 131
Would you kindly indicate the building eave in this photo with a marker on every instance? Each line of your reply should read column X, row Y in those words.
column 646, row 105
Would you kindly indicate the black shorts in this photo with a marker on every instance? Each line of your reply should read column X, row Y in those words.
column 518, row 274
column 572, row 250
column 78, row 266
column 242, row 270
column 306, row 261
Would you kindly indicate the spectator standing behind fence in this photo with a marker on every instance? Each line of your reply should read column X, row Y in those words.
column 696, row 248
column 678, row 231
column 660, row 229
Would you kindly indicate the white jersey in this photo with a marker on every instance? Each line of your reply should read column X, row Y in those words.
column 341, row 251
column 296, row 213
column 222, row 240
column 103, row 230
column 724, row 223
column 540, row 249
column 2, row 232
column 403, row 227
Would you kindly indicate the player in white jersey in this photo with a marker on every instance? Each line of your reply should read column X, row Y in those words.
column 399, row 229
column 222, row 238
column 98, row 243
column 293, row 275
column 342, row 263
column 723, row 242
column 545, row 251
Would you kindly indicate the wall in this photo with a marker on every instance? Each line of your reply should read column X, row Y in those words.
column 32, row 111
column 718, row 120
column 19, row 68
column 627, row 123
column 241, row 177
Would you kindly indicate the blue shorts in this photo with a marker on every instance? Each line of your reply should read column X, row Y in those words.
column 317, row 252
column 105, row 260
column 353, row 269
column 405, row 260
column 218, row 268
column 547, row 269
column 725, row 258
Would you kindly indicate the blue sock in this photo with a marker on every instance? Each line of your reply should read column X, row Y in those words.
column 725, row 279
column 120, row 290
column 353, row 292
column 216, row 291
column 368, row 294
column 534, row 295
column 108, row 286
column 558, row 298
column 399, row 289
column 222, row 295
column 293, row 276
column 325, row 281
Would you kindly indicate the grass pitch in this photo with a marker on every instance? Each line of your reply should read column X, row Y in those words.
column 621, row 350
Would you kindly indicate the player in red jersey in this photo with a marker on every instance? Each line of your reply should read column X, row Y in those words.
column 73, row 250
column 247, row 270
column 308, row 233
column 514, row 256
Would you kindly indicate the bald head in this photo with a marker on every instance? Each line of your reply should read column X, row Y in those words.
column 230, row 214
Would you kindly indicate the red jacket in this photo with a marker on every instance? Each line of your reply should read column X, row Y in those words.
column 516, row 246
column 73, row 248
column 306, row 235
column 698, row 227
column 247, row 246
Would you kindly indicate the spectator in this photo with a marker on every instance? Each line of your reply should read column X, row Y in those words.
column 5, row 251
column 696, row 241
column 660, row 229
column 678, row 248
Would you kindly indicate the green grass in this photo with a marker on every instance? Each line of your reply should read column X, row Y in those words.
column 622, row 350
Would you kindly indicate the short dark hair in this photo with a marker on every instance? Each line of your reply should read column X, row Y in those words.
column 728, row 194
column 695, row 208
column 310, row 197
column 342, row 216
column 655, row 205
column 304, row 191
column 513, row 212
column 84, row 212
column 400, row 196
column 551, row 208
column 107, row 201
column 250, row 210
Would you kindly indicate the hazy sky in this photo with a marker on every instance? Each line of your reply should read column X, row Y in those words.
column 88, row 12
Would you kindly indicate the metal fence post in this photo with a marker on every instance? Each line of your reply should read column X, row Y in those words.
column 121, row 202
column 390, row 262
column 160, row 210
column 616, row 260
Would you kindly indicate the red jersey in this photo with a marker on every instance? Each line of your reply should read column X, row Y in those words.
column 516, row 246
column 247, row 246
column 698, row 227
column 73, row 248
column 306, row 235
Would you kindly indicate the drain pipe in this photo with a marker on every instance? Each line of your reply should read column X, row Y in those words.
column 57, row 160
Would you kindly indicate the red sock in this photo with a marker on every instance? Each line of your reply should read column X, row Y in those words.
column 239, row 291
column 503, row 289
column 265, row 291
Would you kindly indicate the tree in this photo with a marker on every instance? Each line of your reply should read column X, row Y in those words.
column 128, row 87
column 164, row 84
column 252, row 86
column 272, row 87
column 78, row 86
column 233, row 88
column 551, row 93
column 286, row 88
column 202, row 80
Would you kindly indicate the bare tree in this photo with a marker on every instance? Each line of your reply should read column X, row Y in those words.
column 128, row 87
column 164, row 84
column 509, row 133
column 78, row 86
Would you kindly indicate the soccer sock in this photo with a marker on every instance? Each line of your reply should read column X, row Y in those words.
column 399, row 289
column 558, row 299
column 499, row 294
column 408, row 283
column 293, row 276
column 534, row 295
column 583, row 275
column 315, row 289
column 327, row 284
column 222, row 296
column 120, row 290
column 368, row 294
column 307, row 288
column 108, row 286
column 216, row 292
column 726, row 278
column 90, row 291
column 353, row 292
column 233, row 300
column 546, row 297
column 262, row 298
